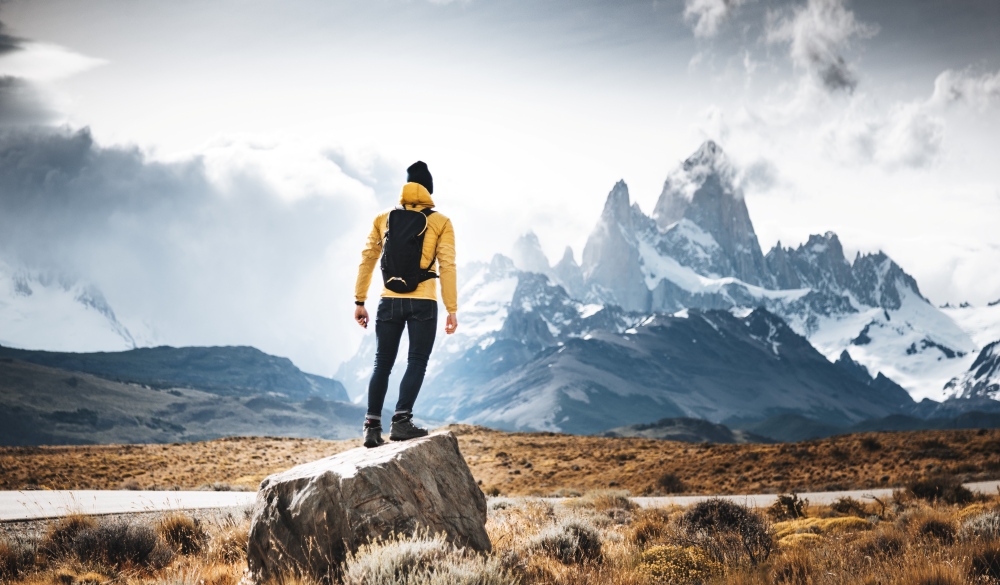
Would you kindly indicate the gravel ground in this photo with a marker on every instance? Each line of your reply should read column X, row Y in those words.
column 36, row 529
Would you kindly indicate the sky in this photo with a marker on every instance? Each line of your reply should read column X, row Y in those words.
column 213, row 166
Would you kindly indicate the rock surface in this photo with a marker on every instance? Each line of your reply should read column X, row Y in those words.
column 308, row 518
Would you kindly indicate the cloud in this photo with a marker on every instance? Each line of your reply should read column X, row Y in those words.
column 980, row 91
column 8, row 42
column 22, row 104
column 706, row 16
column 817, row 35
column 204, row 250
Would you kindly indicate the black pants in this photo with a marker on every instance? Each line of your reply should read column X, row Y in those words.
column 419, row 317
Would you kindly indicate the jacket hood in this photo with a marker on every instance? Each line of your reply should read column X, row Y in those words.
column 415, row 194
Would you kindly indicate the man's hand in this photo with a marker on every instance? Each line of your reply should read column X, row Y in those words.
column 361, row 315
column 452, row 324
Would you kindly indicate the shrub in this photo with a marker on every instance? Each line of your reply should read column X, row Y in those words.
column 729, row 530
column 121, row 542
column 787, row 507
column 228, row 543
column 649, row 526
column 984, row 526
column 870, row 444
column 671, row 483
column 60, row 535
column 675, row 564
column 937, row 528
column 847, row 506
column 606, row 500
column 183, row 533
column 881, row 544
column 16, row 557
column 942, row 487
column 421, row 560
column 571, row 541
column 985, row 562
column 793, row 568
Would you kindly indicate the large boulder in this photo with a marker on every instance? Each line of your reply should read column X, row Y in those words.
column 308, row 518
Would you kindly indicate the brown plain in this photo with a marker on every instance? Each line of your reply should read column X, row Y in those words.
column 536, row 463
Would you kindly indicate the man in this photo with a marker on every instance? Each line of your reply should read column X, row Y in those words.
column 415, row 310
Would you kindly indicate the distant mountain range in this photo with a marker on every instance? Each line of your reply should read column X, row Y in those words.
column 681, row 314
column 677, row 314
column 165, row 394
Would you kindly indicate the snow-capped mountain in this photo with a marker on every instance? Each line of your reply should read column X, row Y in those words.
column 44, row 311
column 982, row 380
column 552, row 347
column 699, row 249
column 702, row 364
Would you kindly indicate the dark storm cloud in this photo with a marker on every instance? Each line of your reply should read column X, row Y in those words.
column 160, row 237
column 8, row 42
column 22, row 104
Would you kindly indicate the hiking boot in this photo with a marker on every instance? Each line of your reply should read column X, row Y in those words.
column 402, row 428
column 373, row 434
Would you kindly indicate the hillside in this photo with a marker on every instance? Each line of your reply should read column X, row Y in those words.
column 44, row 405
column 538, row 463
column 226, row 371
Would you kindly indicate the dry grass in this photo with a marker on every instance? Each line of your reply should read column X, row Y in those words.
column 590, row 543
column 538, row 463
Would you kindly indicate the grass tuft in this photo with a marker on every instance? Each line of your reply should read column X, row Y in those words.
column 183, row 533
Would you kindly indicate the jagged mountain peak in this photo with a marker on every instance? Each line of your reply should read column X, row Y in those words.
column 709, row 155
column 618, row 205
column 527, row 254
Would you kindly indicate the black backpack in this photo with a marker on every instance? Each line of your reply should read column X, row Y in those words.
column 402, row 248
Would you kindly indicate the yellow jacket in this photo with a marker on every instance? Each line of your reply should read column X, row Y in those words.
column 439, row 240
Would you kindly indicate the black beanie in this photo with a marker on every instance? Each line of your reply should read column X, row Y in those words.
column 418, row 173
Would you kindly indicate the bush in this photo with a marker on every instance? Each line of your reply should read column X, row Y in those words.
column 787, row 507
column 58, row 540
column 119, row 543
column 649, row 526
column 571, row 541
column 17, row 556
column 847, row 506
column 881, row 544
column 942, row 487
column 675, row 564
column 606, row 500
column 793, row 568
column 937, row 528
column 985, row 562
column 671, row 483
column 870, row 444
column 228, row 543
column 421, row 560
column 982, row 526
column 183, row 533
column 729, row 530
